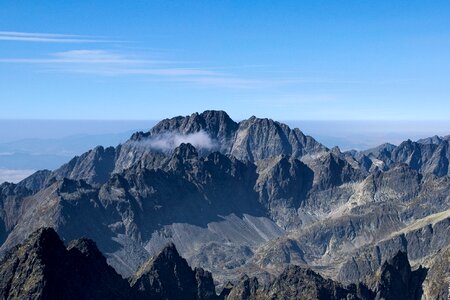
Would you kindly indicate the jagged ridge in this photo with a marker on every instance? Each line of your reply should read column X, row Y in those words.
column 232, row 211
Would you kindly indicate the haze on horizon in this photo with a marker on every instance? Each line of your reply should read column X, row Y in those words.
column 30, row 145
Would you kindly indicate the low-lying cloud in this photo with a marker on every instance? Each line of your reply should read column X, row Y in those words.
column 169, row 141
column 14, row 175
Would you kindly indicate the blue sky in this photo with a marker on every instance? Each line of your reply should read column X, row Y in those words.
column 287, row 60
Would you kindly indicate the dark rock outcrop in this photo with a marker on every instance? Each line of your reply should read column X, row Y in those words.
column 11, row 201
column 397, row 280
column 42, row 268
column 94, row 166
column 297, row 283
column 429, row 156
column 257, row 139
column 168, row 276
column 37, row 181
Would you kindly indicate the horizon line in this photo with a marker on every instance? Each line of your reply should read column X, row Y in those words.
column 283, row 120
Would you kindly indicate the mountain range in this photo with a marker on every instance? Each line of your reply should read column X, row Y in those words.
column 254, row 202
column 44, row 268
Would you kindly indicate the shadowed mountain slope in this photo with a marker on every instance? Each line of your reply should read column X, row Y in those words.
column 44, row 268
column 248, row 197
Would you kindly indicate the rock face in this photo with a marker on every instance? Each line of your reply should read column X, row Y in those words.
column 297, row 283
column 11, row 199
column 257, row 139
column 168, row 276
column 418, row 240
column 36, row 181
column 394, row 280
column 252, row 198
column 94, row 166
column 216, row 123
column 252, row 139
column 436, row 284
column 42, row 268
column 429, row 156
column 397, row 281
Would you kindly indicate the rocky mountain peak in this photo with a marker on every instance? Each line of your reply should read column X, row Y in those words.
column 88, row 248
column 42, row 268
column 37, row 180
column 296, row 283
column 11, row 189
column 258, row 139
column 94, row 166
column 44, row 239
column 398, row 281
column 168, row 276
column 185, row 152
column 336, row 151
column 246, row 288
column 167, row 260
column 219, row 123
column 183, row 158
column 251, row 139
column 169, row 252
column 431, row 140
column 216, row 123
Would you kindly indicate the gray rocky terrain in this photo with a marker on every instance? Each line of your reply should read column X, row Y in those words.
column 42, row 267
column 252, row 197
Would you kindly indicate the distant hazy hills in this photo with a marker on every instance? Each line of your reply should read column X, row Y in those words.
column 19, row 158
column 64, row 146
column 28, row 145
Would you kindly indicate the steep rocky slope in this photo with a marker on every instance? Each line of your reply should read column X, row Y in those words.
column 297, row 283
column 429, row 156
column 44, row 268
column 250, row 197
column 393, row 280
column 168, row 276
column 11, row 199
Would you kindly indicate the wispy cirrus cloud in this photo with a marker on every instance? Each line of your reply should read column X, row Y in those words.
column 113, row 64
column 110, row 63
column 48, row 37
column 95, row 57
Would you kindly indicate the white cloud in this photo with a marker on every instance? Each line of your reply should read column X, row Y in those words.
column 110, row 63
column 143, row 71
column 47, row 37
column 102, row 57
column 101, row 62
column 14, row 175
column 170, row 140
